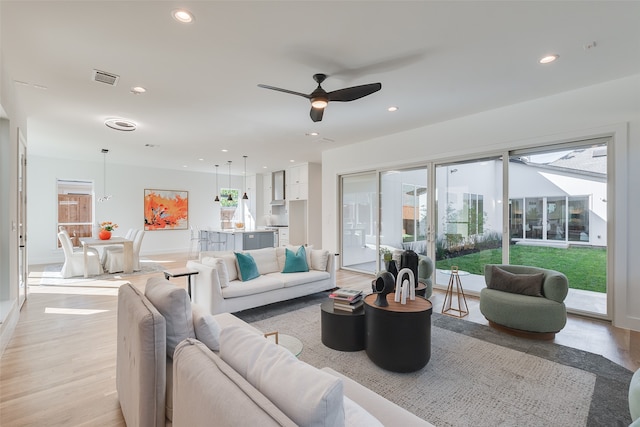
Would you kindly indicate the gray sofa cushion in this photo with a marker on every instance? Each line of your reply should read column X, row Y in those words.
column 175, row 306
column 525, row 284
column 285, row 380
column 209, row 392
column 141, row 359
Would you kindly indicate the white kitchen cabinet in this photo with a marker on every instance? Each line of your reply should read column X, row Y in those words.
column 298, row 182
column 304, row 196
column 283, row 236
column 266, row 198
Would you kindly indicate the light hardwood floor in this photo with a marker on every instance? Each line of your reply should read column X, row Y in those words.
column 59, row 367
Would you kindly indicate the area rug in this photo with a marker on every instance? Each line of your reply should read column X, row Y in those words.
column 51, row 276
column 477, row 376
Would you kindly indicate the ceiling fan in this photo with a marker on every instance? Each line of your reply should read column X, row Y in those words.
column 320, row 98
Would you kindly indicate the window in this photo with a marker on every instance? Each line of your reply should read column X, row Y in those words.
column 75, row 209
column 228, row 207
column 414, row 213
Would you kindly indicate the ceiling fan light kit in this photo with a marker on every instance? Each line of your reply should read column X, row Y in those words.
column 320, row 98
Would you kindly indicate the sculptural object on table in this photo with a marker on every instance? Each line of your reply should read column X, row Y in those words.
column 404, row 286
column 383, row 286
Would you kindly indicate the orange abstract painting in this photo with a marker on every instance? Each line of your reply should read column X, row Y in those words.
column 166, row 210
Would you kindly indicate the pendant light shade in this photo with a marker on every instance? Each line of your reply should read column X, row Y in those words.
column 217, row 199
column 244, row 196
column 229, row 197
column 105, row 196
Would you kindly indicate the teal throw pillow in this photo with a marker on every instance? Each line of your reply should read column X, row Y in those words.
column 247, row 267
column 296, row 262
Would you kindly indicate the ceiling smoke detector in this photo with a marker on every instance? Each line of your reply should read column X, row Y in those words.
column 120, row 124
column 105, row 77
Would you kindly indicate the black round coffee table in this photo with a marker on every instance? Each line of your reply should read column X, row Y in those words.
column 342, row 330
column 398, row 337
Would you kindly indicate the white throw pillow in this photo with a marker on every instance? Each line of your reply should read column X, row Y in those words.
column 206, row 327
column 309, row 396
column 223, row 272
column 174, row 305
column 319, row 259
column 356, row 416
column 265, row 259
column 230, row 261
column 208, row 261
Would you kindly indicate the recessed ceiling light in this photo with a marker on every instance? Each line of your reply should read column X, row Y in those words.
column 548, row 59
column 182, row 15
column 392, row 109
column 201, row 159
column 120, row 124
column 137, row 90
column 291, row 161
column 224, row 150
column 312, row 134
column 264, row 167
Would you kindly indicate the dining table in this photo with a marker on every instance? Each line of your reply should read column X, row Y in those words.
column 127, row 246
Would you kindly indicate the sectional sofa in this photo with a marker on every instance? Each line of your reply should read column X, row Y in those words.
column 218, row 287
column 179, row 365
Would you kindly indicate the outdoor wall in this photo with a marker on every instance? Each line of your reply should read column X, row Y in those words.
column 611, row 108
column 531, row 181
column 126, row 184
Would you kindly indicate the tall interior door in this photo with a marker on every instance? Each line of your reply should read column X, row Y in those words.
column 22, row 220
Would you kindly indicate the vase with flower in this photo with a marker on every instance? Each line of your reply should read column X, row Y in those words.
column 106, row 228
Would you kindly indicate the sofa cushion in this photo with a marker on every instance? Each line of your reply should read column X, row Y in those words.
column 221, row 269
column 230, row 261
column 295, row 262
column 265, row 259
column 206, row 327
column 525, row 284
column 175, row 306
column 356, row 416
column 283, row 379
column 319, row 259
column 208, row 392
column 255, row 286
column 295, row 279
column 247, row 268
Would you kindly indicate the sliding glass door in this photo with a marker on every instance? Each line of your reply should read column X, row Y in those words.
column 403, row 210
column 359, row 215
column 468, row 219
column 558, row 195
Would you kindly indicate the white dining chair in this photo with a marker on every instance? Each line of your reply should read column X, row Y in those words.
column 74, row 260
column 114, row 261
column 129, row 236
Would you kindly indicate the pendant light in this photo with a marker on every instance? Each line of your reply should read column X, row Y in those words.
column 105, row 196
column 217, row 199
column 244, row 196
column 229, row 197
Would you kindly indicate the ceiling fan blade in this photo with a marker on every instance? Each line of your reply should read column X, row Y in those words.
column 316, row 114
column 304, row 95
column 353, row 93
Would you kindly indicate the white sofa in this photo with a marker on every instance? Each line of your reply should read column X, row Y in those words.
column 249, row 381
column 217, row 286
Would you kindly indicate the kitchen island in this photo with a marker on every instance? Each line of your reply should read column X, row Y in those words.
column 236, row 240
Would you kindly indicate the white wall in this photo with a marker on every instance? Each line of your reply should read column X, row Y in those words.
column 126, row 184
column 611, row 108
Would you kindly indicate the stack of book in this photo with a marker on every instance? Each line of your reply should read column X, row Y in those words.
column 346, row 299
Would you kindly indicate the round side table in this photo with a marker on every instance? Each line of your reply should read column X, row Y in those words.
column 398, row 337
column 342, row 330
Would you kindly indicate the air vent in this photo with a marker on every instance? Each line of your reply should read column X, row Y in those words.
column 104, row 77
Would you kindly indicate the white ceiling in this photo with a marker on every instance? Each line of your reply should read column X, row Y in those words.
column 436, row 61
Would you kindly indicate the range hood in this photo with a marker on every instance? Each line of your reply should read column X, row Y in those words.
column 277, row 188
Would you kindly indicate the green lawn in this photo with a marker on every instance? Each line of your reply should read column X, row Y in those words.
column 584, row 267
